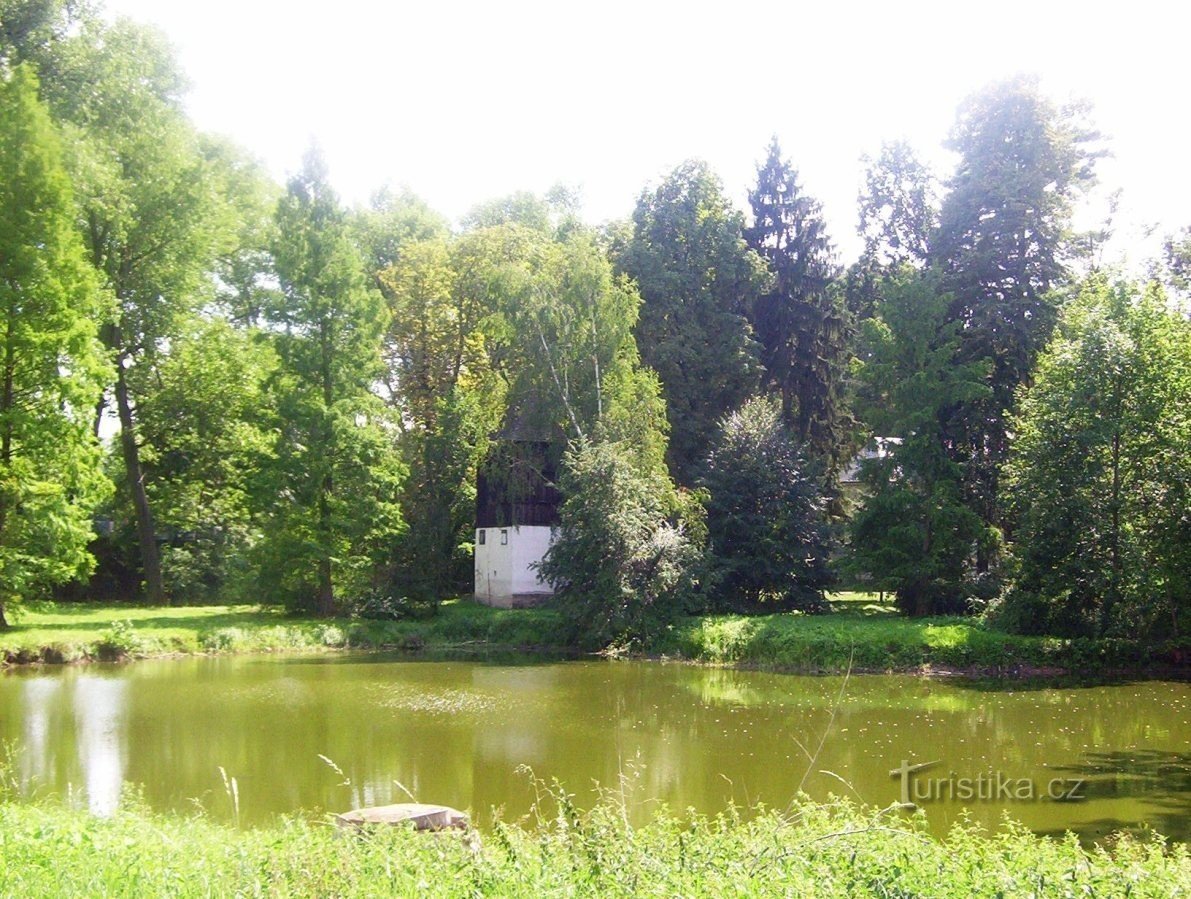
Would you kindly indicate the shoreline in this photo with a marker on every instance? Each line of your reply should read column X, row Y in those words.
column 833, row 644
column 1016, row 672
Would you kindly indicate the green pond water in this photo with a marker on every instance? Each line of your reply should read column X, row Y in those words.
column 466, row 733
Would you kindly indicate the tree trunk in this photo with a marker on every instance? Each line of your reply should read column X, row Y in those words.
column 145, row 528
column 3, row 620
column 326, row 585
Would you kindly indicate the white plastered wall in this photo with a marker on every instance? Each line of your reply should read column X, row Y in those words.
column 504, row 573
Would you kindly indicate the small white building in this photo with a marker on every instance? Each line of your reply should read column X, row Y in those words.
column 516, row 514
column 505, row 560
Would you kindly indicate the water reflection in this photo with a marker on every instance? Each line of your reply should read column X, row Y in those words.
column 313, row 734
column 99, row 720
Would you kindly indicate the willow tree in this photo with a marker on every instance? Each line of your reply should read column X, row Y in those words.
column 51, row 364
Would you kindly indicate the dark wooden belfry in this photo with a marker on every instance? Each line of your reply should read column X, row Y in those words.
column 516, row 484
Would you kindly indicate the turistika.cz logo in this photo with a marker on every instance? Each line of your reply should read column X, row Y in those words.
column 988, row 786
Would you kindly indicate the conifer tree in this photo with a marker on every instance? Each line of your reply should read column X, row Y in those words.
column 800, row 321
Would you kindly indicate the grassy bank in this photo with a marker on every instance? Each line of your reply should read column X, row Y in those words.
column 67, row 632
column 872, row 637
column 860, row 632
column 811, row 850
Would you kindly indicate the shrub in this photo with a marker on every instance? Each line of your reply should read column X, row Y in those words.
column 620, row 564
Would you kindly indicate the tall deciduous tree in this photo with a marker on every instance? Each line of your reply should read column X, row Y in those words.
column 441, row 380
column 338, row 474
column 698, row 282
column 1000, row 250
column 153, row 211
column 52, row 368
column 207, row 419
column 800, row 322
column 1100, row 474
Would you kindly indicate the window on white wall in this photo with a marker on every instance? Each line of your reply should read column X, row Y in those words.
column 504, row 538
column 483, row 534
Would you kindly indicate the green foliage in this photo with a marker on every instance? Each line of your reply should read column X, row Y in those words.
column 765, row 516
column 1000, row 250
column 336, row 473
column 898, row 212
column 914, row 534
column 208, row 421
column 152, row 200
column 800, row 321
column 698, row 281
column 449, row 398
column 620, row 565
column 554, row 213
column 860, row 642
column 52, row 369
column 1100, row 477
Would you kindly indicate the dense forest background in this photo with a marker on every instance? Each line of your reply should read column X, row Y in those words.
column 215, row 387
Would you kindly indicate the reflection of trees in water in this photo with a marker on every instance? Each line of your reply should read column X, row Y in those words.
column 1161, row 779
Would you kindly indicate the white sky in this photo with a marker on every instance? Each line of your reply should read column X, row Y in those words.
column 465, row 101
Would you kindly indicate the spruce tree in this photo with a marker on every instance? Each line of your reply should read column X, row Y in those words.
column 800, row 321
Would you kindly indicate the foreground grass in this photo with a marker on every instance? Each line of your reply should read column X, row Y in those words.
column 812, row 850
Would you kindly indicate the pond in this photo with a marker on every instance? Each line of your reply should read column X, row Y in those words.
column 330, row 733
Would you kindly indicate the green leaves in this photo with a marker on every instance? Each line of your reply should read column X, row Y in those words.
column 698, row 282
column 620, row 564
column 52, row 369
column 914, row 533
column 1099, row 475
column 337, row 474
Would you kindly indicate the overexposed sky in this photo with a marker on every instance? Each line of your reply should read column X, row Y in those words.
column 466, row 101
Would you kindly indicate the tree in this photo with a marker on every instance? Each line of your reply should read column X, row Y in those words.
column 765, row 516
column 1000, row 249
column 619, row 565
column 29, row 29
column 554, row 213
column 52, row 367
column 207, row 419
column 337, row 471
column 1175, row 266
column 1100, row 475
column 393, row 220
column 898, row 208
column 800, row 322
column 914, row 534
column 154, row 215
column 441, row 380
column 698, row 282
